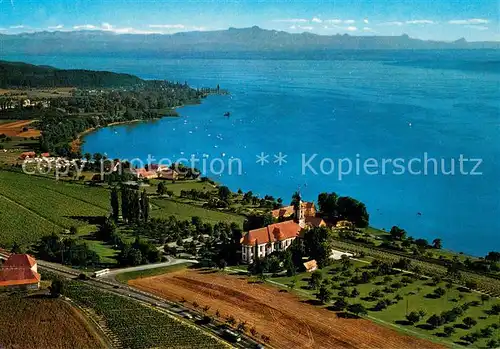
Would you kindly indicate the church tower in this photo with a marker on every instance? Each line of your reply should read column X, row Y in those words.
column 300, row 213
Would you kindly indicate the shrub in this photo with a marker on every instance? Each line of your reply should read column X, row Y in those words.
column 469, row 322
column 375, row 294
column 492, row 343
column 357, row 309
column 448, row 330
column 413, row 317
column 340, row 304
column 435, row 321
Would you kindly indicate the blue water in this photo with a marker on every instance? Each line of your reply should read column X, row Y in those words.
column 384, row 108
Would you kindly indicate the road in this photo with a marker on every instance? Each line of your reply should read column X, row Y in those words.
column 174, row 309
column 171, row 261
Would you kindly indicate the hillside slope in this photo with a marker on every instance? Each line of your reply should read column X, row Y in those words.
column 16, row 74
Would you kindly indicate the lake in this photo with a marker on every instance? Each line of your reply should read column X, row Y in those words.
column 392, row 108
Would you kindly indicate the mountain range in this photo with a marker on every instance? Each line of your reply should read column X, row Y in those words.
column 230, row 43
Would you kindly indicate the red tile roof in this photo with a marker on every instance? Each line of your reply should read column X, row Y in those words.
column 271, row 233
column 315, row 221
column 283, row 212
column 287, row 211
column 19, row 261
column 142, row 172
column 18, row 276
column 17, row 271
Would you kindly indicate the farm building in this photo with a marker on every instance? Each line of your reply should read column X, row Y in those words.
column 19, row 272
column 311, row 266
column 167, row 173
column 142, row 173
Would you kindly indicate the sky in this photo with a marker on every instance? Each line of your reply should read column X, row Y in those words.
column 447, row 20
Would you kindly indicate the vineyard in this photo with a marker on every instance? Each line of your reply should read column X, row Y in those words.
column 137, row 326
column 34, row 206
column 484, row 284
column 21, row 225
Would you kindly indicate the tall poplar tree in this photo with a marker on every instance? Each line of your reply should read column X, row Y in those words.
column 115, row 205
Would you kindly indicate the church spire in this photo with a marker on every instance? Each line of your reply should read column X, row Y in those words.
column 299, row 210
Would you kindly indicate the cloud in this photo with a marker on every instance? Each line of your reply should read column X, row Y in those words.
column 127, row 30
column 477, row 27
column 349, row 21
column 395, row 23
column 168, row 26
column 3, row 29
column 301, row 27
column 291, row 20
column 341, row 28
column 334, row 21
column 178, row 27
column 56, row 27
column 195, row 28
column 366, row 21
column 420, row 21
column 469, row 21
column 368, row 29
column 106, row 26
column 17, row 26
column 85, row 27
column 316, row 20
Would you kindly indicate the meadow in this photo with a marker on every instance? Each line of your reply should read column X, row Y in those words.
column 182, row 211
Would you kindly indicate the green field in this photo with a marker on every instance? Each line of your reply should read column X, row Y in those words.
column 415, row 298
column 137, row 326
column 178, row 186
column 166, row 208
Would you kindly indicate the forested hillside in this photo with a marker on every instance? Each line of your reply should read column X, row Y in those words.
column 97, row 99
column 22, row 75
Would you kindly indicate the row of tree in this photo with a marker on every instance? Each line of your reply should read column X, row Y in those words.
column 134, row 205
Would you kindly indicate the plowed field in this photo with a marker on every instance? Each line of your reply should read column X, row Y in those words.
column 287, row 320
column 15, row 128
